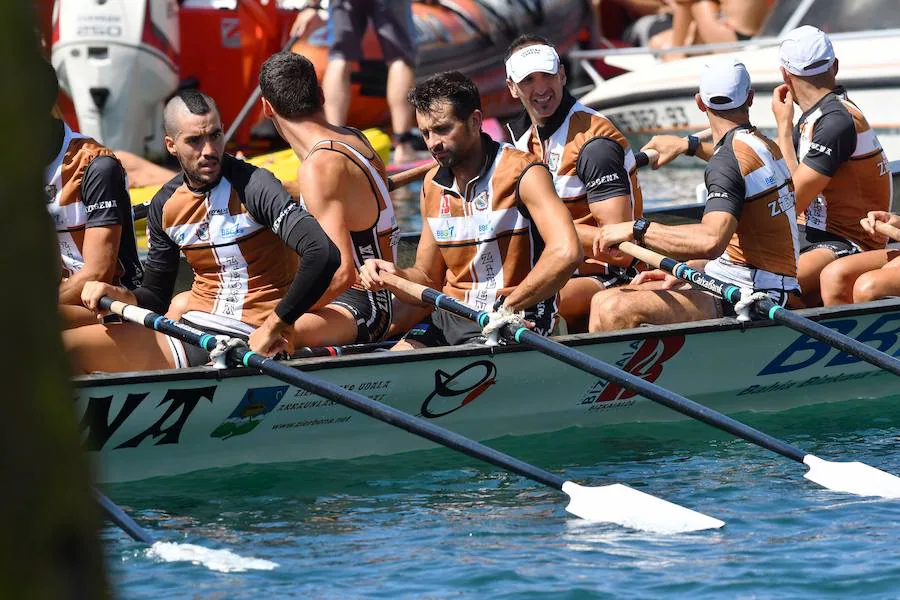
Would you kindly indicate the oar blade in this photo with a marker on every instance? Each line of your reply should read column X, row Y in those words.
column 628, row 507
column 852, row 477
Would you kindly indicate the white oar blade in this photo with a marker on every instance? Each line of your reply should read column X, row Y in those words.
column 853, row 477
column 224, row 561
column 628, row 507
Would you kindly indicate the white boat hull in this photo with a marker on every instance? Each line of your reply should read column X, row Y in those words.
column 167, row 423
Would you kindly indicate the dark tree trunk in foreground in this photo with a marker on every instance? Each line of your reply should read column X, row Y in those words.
column 48, row 523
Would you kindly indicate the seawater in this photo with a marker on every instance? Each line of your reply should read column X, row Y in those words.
column 435, row 524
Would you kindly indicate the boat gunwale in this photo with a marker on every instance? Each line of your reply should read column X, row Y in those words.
column 425, row 354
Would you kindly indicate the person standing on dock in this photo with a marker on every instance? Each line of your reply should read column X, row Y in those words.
column 342, row 183
column 838, row 166
column 748, row 235
column 496, row 236
column 87, row 198
column 591, row 162
column 240, row 231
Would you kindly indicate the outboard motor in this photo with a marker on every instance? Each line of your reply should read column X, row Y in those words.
column 118, row 60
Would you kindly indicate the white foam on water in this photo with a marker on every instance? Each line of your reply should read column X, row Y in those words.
column 224, row 561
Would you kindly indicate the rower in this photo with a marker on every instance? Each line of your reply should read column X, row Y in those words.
column 869, row 275
column 240, row 231
column 496, row 235
column 342, row 182
column 87, row 198
column 748, row 229
column 838, row 166
column 591, row 162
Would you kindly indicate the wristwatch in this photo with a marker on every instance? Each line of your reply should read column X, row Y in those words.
column 693, row 144
column 639, row 229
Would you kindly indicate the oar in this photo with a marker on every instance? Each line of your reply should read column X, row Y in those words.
column 615, row 503
column 855, row 477
column 765, row 308
column 121, row 518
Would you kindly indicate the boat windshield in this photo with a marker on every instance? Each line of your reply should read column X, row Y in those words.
column 834, row 16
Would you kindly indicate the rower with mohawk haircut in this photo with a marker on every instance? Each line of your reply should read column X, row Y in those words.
column 240, row 231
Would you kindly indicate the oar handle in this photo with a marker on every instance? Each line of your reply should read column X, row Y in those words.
column 654, row 259
column 325, row 389
column 408, row 176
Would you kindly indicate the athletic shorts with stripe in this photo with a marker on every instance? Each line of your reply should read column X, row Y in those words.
column 371, row 310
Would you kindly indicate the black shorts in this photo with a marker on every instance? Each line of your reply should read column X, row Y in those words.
column 442, row 328
column 371, row 310
column 813, row 239
column 392, row 20
column 614, row 275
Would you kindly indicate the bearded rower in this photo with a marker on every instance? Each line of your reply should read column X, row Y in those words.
column 748, row 229
column 496, row 235
column 591, row 162
column 240, row 231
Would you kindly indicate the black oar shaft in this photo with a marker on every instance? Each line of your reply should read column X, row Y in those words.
column 651, row 391
column 769, row 310
column 121, row 518
column 352, row 400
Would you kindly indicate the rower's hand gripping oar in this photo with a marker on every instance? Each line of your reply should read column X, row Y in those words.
column 856, row 478
column 765, row 307
column 616, row 503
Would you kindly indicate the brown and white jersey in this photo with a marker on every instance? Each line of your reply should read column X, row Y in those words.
column 748, row 178
column 833, row 138
column 484, row 233
column 85, row 187
column 232, row 236
column 380, row 240
column 589, row 158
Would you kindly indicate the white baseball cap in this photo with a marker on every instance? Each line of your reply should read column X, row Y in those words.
column 806, row 51
column 532, row 59
column 724, row 84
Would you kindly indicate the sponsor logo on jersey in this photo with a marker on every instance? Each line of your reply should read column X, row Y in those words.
column 481, row 201
column 444, row 210
column 553, row 160
column 50, row 193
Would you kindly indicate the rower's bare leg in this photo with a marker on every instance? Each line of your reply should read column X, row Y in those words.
column 627, row 307
column 76, row 316
column 328, row 326
column 406, row 345
column 116, row 348
column 881, row 283
column 404, row 316
column 838, row 278
column 575, row 302
column 400, row 80
column 809, row 269
column 336, row 89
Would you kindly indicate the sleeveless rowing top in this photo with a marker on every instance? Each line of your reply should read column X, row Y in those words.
column 834, row 139
column 381, row 239
column 485, row 235
column 74, row 210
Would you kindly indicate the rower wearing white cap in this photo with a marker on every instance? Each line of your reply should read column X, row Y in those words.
column 836, row 161
column 592, row 164
column 749, row 228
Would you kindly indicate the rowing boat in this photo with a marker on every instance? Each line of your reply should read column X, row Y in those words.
column 140, row 425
